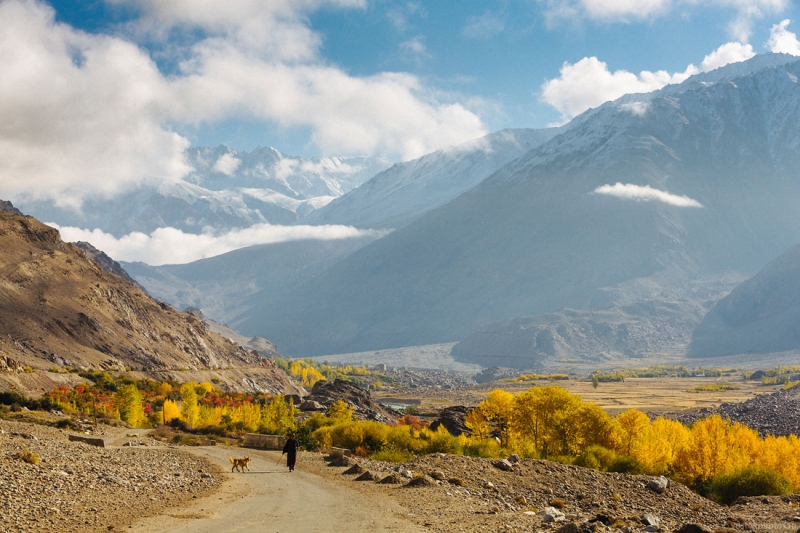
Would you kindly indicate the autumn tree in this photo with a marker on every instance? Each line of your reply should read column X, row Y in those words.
column 129, row 405
column 497, row 408
column 476, row 422
column 190, row 412
column 631, row 426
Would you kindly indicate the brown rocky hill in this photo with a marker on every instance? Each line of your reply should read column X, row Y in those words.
column 59, row 308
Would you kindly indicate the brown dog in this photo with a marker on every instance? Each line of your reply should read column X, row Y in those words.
column 240, row 462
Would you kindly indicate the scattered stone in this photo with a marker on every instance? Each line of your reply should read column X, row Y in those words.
column 503, row 465
column 658, row 485
column 355, row 469
column 551, row 514
column 367, row 476
column 421, row 481
column 694, row 528
column 649, row 519
column 392, row 479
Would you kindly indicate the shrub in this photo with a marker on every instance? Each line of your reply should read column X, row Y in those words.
column 596, row 457
column 624, row 464
column 393, row 456
column 28, row 456
column 748, row 481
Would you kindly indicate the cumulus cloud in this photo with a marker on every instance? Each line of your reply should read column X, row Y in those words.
column 85, row 114
column 783, row 41
column 173, row 246
column 589, row 82
column 227, row 164
column 639, row 193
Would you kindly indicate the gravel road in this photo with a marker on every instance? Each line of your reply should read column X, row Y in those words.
column 269, row 498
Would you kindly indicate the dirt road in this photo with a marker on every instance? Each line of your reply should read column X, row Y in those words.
column 270, row 499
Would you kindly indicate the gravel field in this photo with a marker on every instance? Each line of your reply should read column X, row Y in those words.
column 79, row 487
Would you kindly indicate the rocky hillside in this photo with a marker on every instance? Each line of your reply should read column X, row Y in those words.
column 761, row 315
column 777, row 413
column 59, row 308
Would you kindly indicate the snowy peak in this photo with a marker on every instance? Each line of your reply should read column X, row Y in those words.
column 406, row 190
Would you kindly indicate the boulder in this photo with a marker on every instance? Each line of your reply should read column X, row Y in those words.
column 503, row 465
column 551, row 514
column 571, row 527
column 421, row 481
column 392, row 479
column 326, row 392
column 693, row 528
column 658, row 485
column 452, row 418
column 649, row 519
column 355, row 469
column 310, row 405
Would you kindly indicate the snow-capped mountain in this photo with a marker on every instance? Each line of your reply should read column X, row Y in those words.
column 697, row 180
column 404, row 191
column 227, row 189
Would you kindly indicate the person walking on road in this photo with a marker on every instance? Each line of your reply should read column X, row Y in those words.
column 290, row 449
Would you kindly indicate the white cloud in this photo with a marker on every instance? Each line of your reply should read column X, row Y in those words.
column 483, row 26
column 173, row 246
column 78, row 112
column 639, row 193
column 627, row 11
column 88, row 114
column 783, row 41
column 589, row 83
column 227, row 164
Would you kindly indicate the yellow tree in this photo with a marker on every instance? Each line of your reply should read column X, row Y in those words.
column 129, row 404
column 546, row 416
column 170, row 410
column 477, row 424
column 340, row 411
column 661, row 442
column 190, row 412
column 716, row 446
column 631, row 425
column 278, row 416
column 498, row 409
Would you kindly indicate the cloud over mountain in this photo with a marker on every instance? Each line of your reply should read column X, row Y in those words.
column 639, row 193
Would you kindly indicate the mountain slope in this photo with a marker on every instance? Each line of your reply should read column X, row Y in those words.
column 59, row 308
column 401, row 193
column 761, row 315
column 227, row 190
column 536, row 236
column 224, row 286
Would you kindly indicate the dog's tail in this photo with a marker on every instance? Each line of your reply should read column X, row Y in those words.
column 230, row 459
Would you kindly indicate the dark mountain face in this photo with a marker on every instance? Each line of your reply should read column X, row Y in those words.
column 761, row 315
column 535, row 237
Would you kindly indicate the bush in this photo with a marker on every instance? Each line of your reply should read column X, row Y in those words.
column 597, row 458
column 28, row 456
column 748, row 481
column 393, row 456
column 626, row 465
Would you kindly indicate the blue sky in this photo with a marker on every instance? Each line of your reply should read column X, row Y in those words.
column 99, row 96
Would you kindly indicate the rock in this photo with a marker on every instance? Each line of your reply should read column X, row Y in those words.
column 342, row 460
column 367, row 476
column 513, row 458
column 571, row 527
column 693, row 528
column 111, row 478
column 310, row 405
column 551, row 514
column 421, row 481
column 326, row 392
column 392, row 479
column 503, row 465
column 452, row 418
column 649, row 519
column 658, row 485
column 355, row 469
column 438, row 475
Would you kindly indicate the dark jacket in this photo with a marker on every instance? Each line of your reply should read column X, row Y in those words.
column 290, row 447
